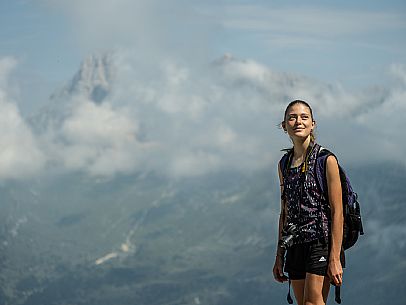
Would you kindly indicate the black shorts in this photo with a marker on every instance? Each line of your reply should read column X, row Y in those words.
column 310, row 257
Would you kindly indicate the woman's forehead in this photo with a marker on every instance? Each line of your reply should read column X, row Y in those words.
column 298, row 109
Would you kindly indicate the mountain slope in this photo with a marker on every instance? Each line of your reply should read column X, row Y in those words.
column 151, row 240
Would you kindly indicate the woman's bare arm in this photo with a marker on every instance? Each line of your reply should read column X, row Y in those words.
column 337, row 219
column 280, row 252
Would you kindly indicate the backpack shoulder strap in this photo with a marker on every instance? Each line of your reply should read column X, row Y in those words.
column 283, row 163
column 321, row 167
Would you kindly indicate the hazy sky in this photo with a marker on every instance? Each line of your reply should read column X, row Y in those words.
column 352, row 42
column 346, row 57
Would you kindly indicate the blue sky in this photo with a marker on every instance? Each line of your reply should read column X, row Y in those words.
column 343, row 43
column 351, row 42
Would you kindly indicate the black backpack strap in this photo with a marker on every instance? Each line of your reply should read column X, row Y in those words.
column 283, row 163
column 288, row 297
column 337, row 294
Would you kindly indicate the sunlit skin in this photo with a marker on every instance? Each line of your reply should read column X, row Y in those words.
column 314, row 289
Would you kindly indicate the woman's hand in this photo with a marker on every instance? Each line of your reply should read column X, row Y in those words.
column 278, row 270
column 335, row 272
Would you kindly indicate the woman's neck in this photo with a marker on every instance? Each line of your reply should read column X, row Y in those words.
column 300, row 148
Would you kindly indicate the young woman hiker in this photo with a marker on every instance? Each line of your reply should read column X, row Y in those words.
column 316, row 258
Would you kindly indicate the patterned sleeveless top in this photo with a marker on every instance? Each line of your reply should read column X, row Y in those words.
column 307, row 207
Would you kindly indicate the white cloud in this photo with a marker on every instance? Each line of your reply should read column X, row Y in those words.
column 98, row 139
column 98, row 124
column 7, row 64
column 179, row 121
column 383, row 128
column 20, row 155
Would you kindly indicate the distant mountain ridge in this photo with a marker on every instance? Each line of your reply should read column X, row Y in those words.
column 150, row 240
column 93, row 81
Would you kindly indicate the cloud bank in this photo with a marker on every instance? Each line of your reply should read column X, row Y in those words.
column 181, row 122
column 20, row 155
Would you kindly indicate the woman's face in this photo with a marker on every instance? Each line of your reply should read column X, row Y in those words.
column 298, row 121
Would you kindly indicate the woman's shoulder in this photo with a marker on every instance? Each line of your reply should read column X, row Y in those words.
column 327, row 155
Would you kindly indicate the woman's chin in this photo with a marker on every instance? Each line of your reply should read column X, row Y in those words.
column 299, row 136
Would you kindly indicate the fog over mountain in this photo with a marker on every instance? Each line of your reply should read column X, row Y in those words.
column 142, row 184
column 181, row 121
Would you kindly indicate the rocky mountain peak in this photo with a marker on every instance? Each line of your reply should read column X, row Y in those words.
column 93, row 79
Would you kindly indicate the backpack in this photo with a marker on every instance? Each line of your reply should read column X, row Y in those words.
column 351, row 207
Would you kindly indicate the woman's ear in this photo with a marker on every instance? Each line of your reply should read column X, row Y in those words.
column 284, row 126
